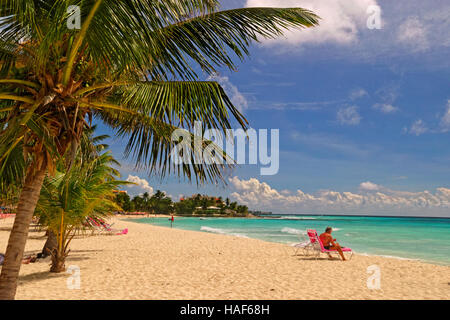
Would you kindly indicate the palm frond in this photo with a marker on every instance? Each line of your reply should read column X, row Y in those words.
column 207, row 39
column 181, row 103
column 150, row 145
column 164, row 41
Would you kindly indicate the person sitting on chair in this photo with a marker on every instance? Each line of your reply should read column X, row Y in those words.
column 329, row 243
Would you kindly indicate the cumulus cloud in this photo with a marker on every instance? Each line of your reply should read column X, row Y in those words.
column 445, row 121
column 236, row 97
column 372, row 199
column 349, row 115
column 341, row 20
column 385, row 108
column 369, row 186
column 413, row 33
column 141, row 184
column 417, row 128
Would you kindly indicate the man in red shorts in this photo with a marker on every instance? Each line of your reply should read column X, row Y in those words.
column 329, row 243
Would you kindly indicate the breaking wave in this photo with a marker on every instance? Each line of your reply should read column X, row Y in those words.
column 296, row 218
column 293, row 231
column 222, row 231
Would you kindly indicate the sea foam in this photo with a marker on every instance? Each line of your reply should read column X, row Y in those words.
column 222, row 231
column 292, row 231
column 296, row 218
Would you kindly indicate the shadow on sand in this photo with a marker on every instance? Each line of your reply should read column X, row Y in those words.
column 300, row 257
column 43, row 275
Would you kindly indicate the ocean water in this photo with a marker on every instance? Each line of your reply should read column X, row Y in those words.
column 426, row 239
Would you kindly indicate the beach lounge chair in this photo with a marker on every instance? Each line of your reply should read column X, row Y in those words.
column 108, row 228
column 104, row 227
column 303, row 244
column 117, row 232
column 7, row 215
column 316, row 246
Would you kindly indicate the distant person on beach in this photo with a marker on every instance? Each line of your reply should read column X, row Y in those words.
column 329, row 243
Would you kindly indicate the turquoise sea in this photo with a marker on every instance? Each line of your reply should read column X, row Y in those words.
column 426, row 239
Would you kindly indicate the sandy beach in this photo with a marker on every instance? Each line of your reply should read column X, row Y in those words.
column 161, row 263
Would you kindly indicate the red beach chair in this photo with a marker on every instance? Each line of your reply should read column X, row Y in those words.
column 316, row 245
column 102, row 226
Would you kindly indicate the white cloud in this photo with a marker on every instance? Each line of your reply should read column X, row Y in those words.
column 413, row 33
column 141, row 184
column 349, row 115
column 445, row 121
column 310, row 105
column 369, row 186
column 261, row 196
column 385, row 108
column 358, row 93
column 417, row 128
column 236, row 97
column 341, row 20
column 344, row 30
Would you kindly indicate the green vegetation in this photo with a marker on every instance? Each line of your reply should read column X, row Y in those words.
column 206, row 205
column 198, row 205
column 67, row 199
column 158, row 203
column 86, row 189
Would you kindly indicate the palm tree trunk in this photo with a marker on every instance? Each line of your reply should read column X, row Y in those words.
column 59, row 255
column 18, row 237
column 58, row 261
column 50, row 245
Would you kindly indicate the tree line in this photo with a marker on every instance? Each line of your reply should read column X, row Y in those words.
column 198, row 204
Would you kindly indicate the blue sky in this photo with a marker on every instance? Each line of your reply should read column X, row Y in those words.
column 364, row 115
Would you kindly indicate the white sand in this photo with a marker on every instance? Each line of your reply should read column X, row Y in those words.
column 161, row 263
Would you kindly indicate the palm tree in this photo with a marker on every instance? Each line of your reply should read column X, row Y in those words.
column 91, row 147
column 160, row 203
column 66, row 201
column 146, row 201
column 124, row 201
column 133, row 65
column 159, row 195
column 138, row 203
